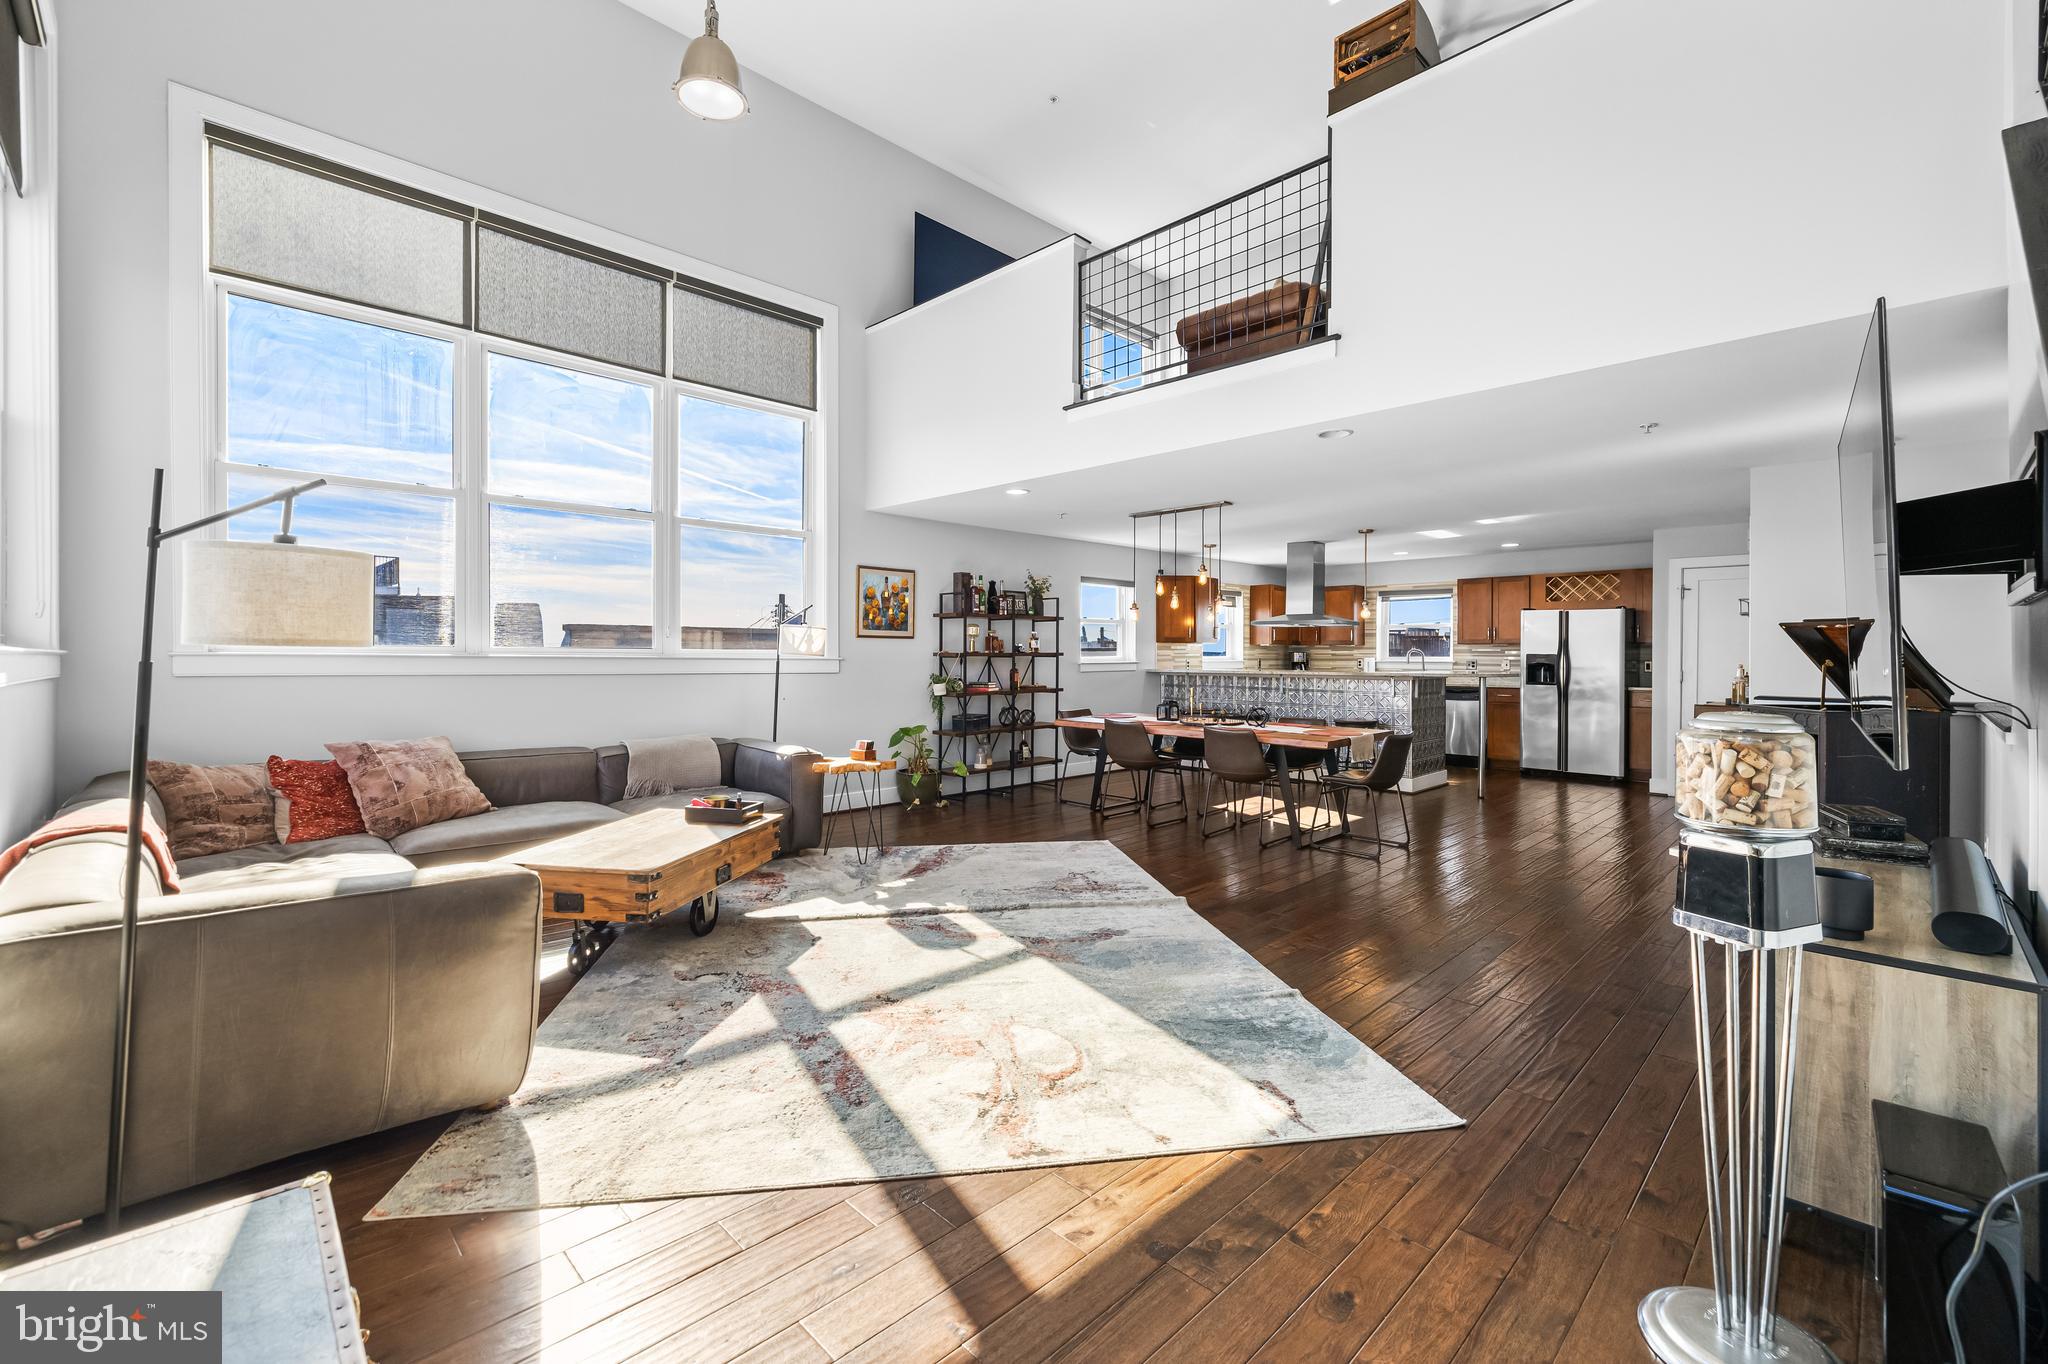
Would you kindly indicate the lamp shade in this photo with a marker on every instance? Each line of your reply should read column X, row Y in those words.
column 255, row 593
column 709, row 85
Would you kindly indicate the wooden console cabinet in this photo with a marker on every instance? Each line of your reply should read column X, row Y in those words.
column 1897, row 1016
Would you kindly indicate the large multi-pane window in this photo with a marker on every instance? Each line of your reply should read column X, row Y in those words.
column 556, row 449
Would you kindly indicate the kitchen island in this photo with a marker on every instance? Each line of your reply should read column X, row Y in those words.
column 1407, row 703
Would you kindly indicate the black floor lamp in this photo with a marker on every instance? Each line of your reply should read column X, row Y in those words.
column 781, row 616
column 250, row 593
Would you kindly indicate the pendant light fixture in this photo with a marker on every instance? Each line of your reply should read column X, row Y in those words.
column 709, row 83
column 1365, row 577
column 1202, row 569
column 1134, row 572
column 1158, row 556
column 1173, row 600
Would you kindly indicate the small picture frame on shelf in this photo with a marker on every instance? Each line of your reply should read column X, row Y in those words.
column 1016, row 603
column 885, row 603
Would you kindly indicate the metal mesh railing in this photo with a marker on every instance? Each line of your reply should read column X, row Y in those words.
column 1241, row 279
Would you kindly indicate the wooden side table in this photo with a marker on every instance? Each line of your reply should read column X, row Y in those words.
column 864, row 776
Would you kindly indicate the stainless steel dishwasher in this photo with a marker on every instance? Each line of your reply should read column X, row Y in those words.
column 1461, row 711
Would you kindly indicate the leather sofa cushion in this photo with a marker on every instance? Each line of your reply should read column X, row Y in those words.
column 497, row 834
column 677, row 799
column 528, row 776
column 74, row 871
column 354, row 857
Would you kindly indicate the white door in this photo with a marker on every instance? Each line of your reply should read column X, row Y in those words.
column 1713, row 633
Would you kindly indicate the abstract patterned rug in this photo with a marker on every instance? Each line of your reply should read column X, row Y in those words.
column 942, row 1010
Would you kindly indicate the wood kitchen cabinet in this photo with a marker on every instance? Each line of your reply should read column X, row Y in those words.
column 1474, row 611
column 1639, row 595
column 1168, row 625
column 1269, row 600
column 1504, row 725
column 1489, row 610
column 1340, row 601
column 1639, row 731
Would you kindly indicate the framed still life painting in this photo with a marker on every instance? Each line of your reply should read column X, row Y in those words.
column 885, row 603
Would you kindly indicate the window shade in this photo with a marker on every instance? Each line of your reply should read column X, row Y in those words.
column 531, row 292
column 283, row 225
column 743, row 349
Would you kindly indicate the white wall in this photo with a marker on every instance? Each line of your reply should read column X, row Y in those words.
column 1683, row 542
column 1961, row 624
column 575, row 117
column 1545, row 205
column 28, row 727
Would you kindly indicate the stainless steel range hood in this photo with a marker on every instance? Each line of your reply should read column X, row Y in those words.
column 1305, row 589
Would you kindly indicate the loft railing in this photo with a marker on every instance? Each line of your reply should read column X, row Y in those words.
column 1241, row 279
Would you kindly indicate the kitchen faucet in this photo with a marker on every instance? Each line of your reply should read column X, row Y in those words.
column 1416, row 656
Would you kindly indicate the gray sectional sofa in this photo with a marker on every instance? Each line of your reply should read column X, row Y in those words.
column 292, row 996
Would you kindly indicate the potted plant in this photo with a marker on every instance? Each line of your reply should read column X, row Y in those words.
column 917, row 769
column 944, row 685
column 1037, row 585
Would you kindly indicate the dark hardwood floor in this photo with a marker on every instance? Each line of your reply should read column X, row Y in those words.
column 1520, row 964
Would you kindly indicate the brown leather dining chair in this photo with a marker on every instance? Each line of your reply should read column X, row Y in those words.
column 1130, row 748
column 1077, row 743
column 1383, row 776
column 1238, row 760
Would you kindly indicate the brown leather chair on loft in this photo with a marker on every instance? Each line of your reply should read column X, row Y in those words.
column 1238, row 760
column 1384, row 775
column 1130, row 748
column 1076, row 743
column 1278, row 318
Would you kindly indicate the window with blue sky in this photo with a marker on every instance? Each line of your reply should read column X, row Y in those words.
column 1105, row 621
column 1416, row 620
column 588, row 499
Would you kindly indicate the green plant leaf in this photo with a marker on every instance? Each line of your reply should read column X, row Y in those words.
column 959, row 768
column 908, row 731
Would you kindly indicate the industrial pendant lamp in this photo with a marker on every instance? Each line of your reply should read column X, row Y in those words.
column 1158, row 555
column 1365, row 576
column 709, row 83
column 1134, row 571
column 1202, row 569
column 1173, row 601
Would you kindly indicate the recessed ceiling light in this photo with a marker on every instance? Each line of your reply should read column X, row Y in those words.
column 1511, row 544
column 1016, row 492
column 1334, row 433
column 1400, row 554
column 1439, row 534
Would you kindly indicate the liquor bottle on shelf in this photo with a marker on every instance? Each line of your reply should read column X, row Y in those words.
column 980, row 597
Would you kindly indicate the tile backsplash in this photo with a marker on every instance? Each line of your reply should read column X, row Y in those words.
column 1492, row 659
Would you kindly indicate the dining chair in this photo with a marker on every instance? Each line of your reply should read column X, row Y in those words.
column 1238, row 760
column 1077, row 743
column 1352, row 758
column 1383, row 776
column 1130, row 748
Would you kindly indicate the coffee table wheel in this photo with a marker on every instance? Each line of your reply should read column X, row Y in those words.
column 588, row 945
column 704, row 915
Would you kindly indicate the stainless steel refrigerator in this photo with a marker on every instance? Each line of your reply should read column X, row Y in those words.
column 1575, row 692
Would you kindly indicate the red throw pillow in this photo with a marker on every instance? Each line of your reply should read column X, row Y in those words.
column 313, row 800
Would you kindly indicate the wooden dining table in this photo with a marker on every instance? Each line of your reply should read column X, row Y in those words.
column 1280, row 739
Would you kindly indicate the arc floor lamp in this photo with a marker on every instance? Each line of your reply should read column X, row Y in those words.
column 250, row 593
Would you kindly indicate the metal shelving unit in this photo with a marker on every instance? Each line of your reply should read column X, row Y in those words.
column 993, row 699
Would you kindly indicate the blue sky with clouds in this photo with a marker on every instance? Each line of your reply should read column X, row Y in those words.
column 317, row 394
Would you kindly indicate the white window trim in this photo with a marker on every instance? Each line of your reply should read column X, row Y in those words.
column 1126, row 659
column 1232, row 657
column 1380, row 599
column 29, row 640
column 196, row 390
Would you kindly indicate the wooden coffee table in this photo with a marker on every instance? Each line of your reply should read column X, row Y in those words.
column 640, row 868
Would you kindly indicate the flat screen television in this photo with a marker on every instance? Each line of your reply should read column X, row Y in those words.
column 1866, row 467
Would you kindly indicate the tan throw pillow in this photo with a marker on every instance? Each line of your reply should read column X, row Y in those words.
column 214, row 809
column 406, row 784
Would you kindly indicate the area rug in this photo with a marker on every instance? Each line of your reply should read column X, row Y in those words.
column 917, row 1016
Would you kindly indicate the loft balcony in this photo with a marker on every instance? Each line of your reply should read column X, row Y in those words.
column 1234, row 282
